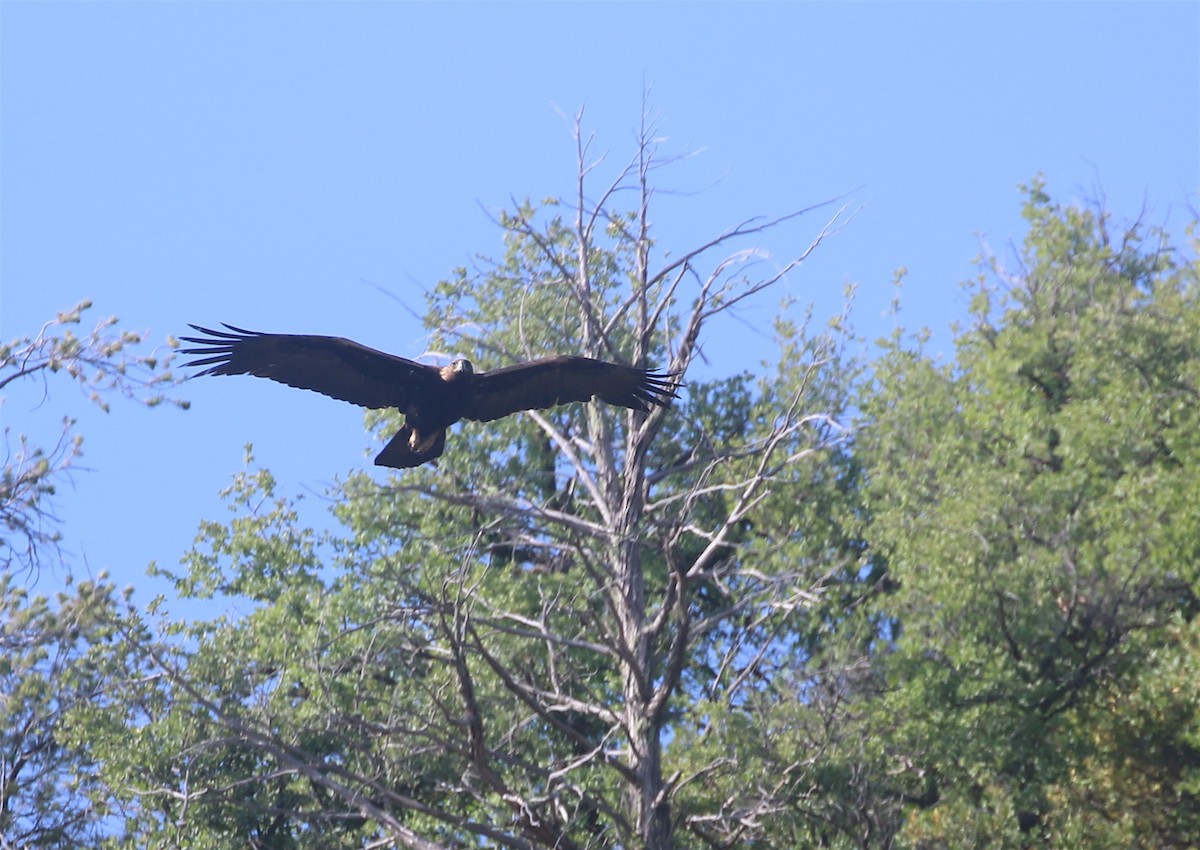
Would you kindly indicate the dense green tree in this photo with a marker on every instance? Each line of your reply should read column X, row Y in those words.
column 1035, row 501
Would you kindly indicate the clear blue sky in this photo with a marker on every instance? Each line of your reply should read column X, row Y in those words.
column 272, row 164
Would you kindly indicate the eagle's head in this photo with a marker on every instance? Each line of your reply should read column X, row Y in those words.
column 457, row 369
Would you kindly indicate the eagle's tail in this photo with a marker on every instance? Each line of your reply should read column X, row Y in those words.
column 400, row 453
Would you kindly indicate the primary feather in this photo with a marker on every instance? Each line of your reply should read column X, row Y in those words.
column 333, row 366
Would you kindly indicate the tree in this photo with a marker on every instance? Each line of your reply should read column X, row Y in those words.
column 101, row 365
column 1035, row 503
column 56, row 655
column 524, row 646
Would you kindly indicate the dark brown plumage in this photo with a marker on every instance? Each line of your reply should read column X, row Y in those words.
column 431, row 398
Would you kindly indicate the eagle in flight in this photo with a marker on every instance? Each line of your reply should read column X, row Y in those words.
column 431, row 398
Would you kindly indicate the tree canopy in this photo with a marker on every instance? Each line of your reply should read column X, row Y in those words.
column 825, row 601
column 1035, row 504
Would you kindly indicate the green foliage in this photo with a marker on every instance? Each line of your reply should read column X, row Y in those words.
column 970, row 623
column 55, row 656
column 259, row 555
column 1035, row 502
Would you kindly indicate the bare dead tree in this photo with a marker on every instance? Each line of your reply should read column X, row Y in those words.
column 648, row 637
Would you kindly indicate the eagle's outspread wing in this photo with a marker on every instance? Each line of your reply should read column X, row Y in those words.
column 557, row 380
column 336, row 367
column 430, row 398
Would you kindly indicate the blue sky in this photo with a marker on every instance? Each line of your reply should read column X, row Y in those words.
column 274, row 165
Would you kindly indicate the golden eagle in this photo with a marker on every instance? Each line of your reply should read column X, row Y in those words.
column 431, row 398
